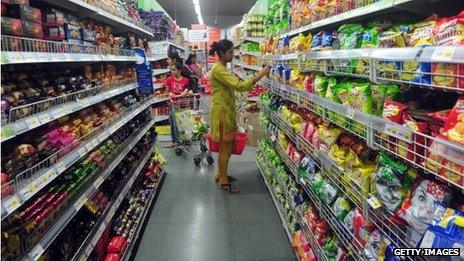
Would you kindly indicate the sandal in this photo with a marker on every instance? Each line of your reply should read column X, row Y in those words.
column 229, row 179
column 229, row 188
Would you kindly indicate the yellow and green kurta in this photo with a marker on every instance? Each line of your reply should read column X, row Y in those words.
column 223, row 112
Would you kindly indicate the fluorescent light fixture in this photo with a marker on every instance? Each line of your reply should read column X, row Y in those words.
column 196, row 4
column 197, row 10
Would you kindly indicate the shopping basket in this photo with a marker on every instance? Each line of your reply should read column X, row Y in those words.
column 241, row 139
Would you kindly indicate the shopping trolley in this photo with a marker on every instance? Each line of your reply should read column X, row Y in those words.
column 190, row 128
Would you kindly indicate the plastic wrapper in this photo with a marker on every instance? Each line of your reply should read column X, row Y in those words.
column 393, row 111
column 338, row 155
column 448, row 30
column 117, row 245
column 361, row 228
column 392, row 39
column 370, row 38
column 390, row 183
column 422, row 34
column 341, row 207
column 348, row 35
column 413, row 151
column 419, row 207
column 327, row 137
column 376, row 245
column 448, row 75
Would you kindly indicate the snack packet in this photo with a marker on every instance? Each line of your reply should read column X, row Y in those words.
column 413, row 151
column 448, row 31
column 341, row 207
column 422, row 34
column 338, row 155
column 370, row 38
column 419, row 207
column 349, row 34
column 327, row 137
column 376, row 245
column 361, row 228
column 390, row 182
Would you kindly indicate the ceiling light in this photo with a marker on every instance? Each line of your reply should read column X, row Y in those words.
column 200, row 19
column 196, row 2
column 197, row 10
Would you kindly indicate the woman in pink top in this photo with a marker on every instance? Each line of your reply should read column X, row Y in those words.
column 177, row 86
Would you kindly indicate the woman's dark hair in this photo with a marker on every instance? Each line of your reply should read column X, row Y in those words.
column 220, row 47
column 190, row 58
column 175, row 56
column 178, row 66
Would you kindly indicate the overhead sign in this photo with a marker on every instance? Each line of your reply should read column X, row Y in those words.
column 198, row 36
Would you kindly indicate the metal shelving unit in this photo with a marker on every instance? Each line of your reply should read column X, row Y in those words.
column 32, row 180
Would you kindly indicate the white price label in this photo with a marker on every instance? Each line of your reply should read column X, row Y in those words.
column 30, row 190
column 374, row 202
column 32, row 122
column 36, row 252
column 95, row 142
column 80, row 202
column 61, row 167
column 43, row 181
column 52, row 174
column 12, row 204
column 44, row 118
column 273, row 138
column 55, row 57
column 84, row 103
column 99, row 181
column 89, row 146
column 444, row 54
column 82, row 151
column 398, row 132
column 350, row 113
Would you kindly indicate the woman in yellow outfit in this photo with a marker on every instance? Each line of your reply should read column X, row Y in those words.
column 223, row 113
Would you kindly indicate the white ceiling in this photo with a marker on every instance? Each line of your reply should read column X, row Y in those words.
column 229, row 12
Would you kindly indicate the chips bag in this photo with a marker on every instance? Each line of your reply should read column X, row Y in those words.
column 422, row 34
column 393, row 111
column 327, row 137
column 419, row 207
column 349, row 34
column 338, row 155
column 390, row 182
column 317, row 41
column 341, row 207
column 378, row 92
column 413, row 151
column 448, row 75
column 448, row 31
column 361, row 228
column 376, row 245
column 370, row 38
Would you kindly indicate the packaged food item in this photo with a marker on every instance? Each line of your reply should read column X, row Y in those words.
column 390, row 182
column 32, row 30
column 391, row 39
column 348, row 35
column 53, row 18
column 330, row 248
column 54, row 33
column 25, row 13
column 338, row 155
column 378, row 92
column 327, row 40
column 448, row 30
column 360, row 97
column 419, row 207
column 413, row 151
column 348, row 221
column 88, row 35
column 422, row 34
column 327, row 137
column 72, row 33
column 11, row 26
column 317, row 41
column 362, row 229
column 341, row 207
column 448, row 75
column 370, row 38
column 376, row 245
column 394, row 111
column 359, row 173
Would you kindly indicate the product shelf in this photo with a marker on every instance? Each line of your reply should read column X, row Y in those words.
column 30, row 116
column 249, row 39
column 380, row 133
column 247, row 66
column 283, row 219
column 351, row 190
column 32, row 180
column 74, row 204
column 386, row 65
column 17, row 50
column 86, row 10
column 128, row 252
column 344, row 12
column 89, row 243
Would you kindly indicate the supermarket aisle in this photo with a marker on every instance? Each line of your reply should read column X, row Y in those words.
column 194, row 220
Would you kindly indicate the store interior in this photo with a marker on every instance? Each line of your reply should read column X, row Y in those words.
column 350, row 148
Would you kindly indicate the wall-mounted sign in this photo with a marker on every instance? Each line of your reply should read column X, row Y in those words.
column 198, row 36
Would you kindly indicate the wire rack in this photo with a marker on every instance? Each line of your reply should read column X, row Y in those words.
column 21, row 44
column 33, row 172
column 23, row 111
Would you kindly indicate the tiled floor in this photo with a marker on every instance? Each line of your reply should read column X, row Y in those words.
column 194, row 220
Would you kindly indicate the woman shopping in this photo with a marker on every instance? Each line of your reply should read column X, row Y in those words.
column 177, row 86
column 223, row 112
